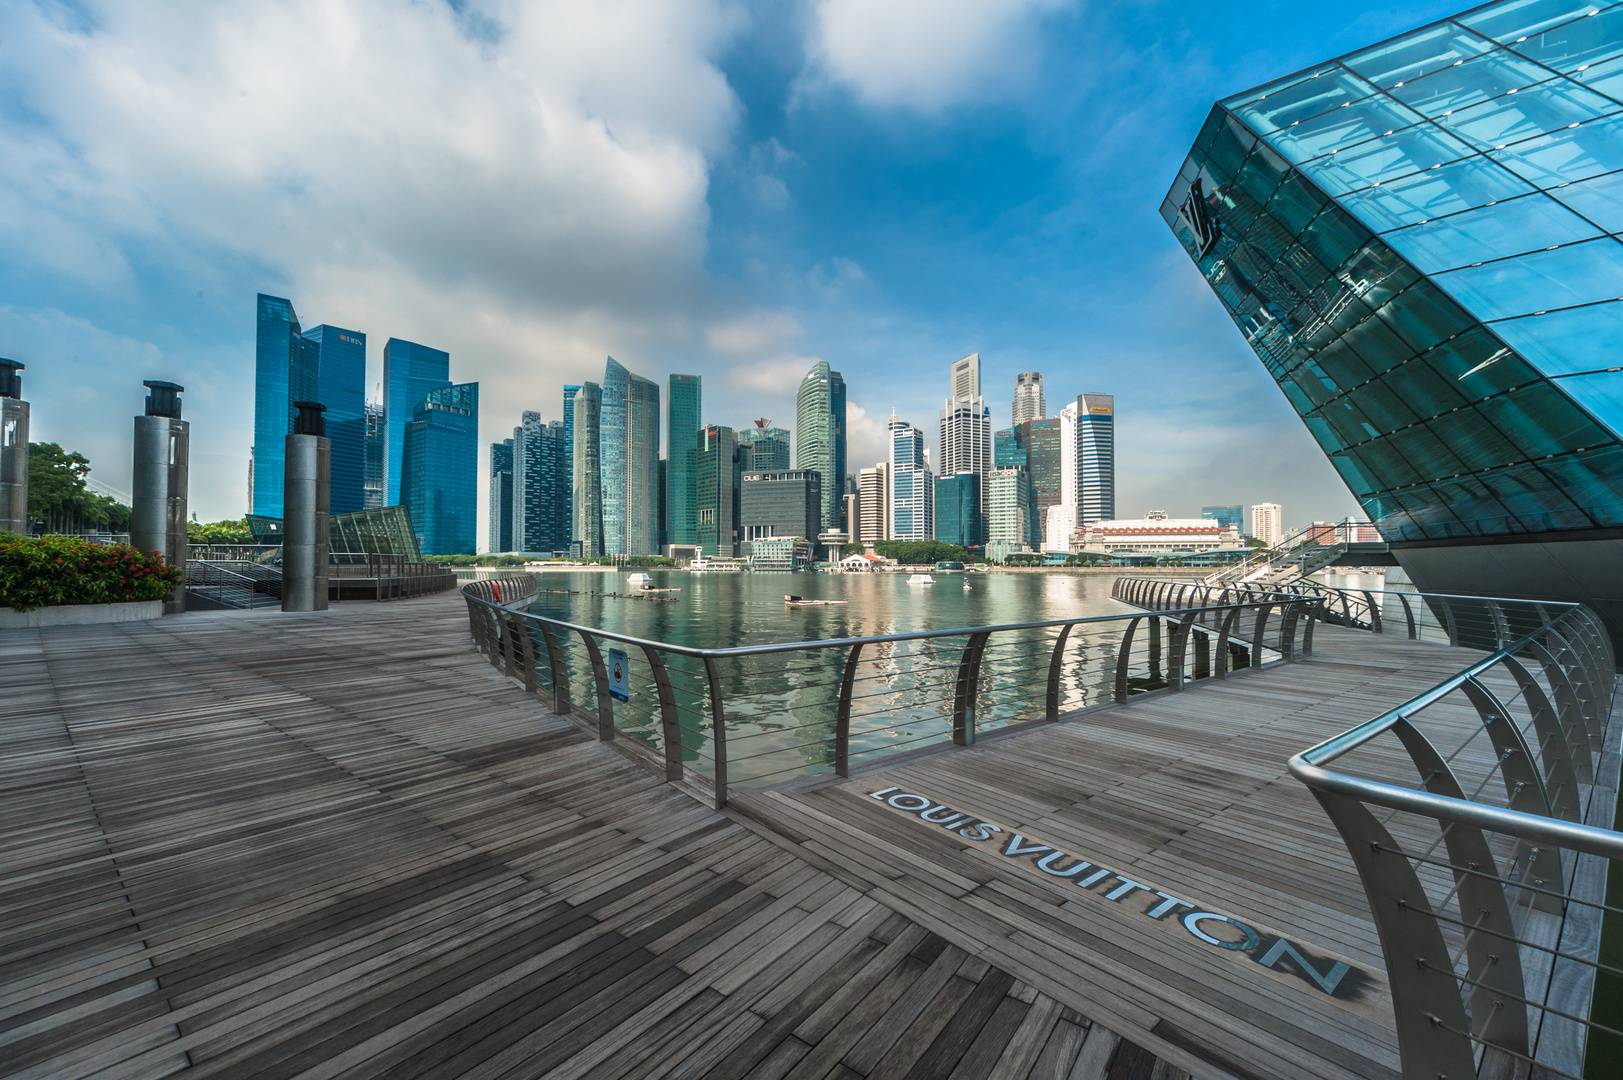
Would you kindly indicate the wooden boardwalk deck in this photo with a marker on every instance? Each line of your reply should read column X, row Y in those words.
column 341, row 845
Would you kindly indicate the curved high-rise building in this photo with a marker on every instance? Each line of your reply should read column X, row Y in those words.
column 820, row 435
column 586, row 518
column 629, row 443
column 1418, row 241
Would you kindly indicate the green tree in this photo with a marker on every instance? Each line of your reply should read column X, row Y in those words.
column 57, row 494
column 219, row 532
column 914, row 552
column 852, row 549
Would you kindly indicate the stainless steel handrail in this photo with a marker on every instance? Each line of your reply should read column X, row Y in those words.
column 978, row 679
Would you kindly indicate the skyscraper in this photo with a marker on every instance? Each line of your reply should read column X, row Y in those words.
column 779, row 504
column 958, row 510
column 1010, row 526
column 1028, row 397
column 569, row 462
column 966, row 445
column 501, row 496
column 769, row 446
column 340, row 363
column 1096, row 458
column 586, row 459
column 1226, row 516
column 285, row 369
column 684, row 403
column 410, row 372
column 440, row 470
column 1268, row 523
column 874, row 496
column 966, row 377
column 1043, row 454
column 911, row 490
column 630, row 462
column 716, row 495
column 373, row 447
column 820, row 434
column 1070, row 467
column 540, row 486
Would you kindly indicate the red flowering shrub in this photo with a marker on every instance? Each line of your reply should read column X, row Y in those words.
column 47, row 571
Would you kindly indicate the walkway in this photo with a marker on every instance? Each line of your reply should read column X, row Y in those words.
column 340, row 844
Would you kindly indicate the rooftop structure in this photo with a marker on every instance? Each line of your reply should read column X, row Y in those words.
column 1157, row 534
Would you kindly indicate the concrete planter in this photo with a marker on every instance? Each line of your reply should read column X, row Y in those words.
column 80, row 614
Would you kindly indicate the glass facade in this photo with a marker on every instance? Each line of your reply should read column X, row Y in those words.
column 716, row 502
column 1224, row 516
column 958, row 518
column 586, row 483
column 410, row 372
column 1096, row 458
column 684, row 407
column 820, row 434
column 439, row 470
column 769, row 446
column 385, row 530
column 540, row 486
column 1041, row 439
column 569, row 462
column 284, row 372
column 501, row 496
column 372, row 445
column 911, row 491
column 1420, row 241
column 781, row 504
column 340, row 379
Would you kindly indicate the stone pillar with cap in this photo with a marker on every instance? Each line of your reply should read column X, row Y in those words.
column 13, row 449
column 306, row 494
column 158, row 485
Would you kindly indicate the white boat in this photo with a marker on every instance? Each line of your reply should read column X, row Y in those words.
column 921, row 579
column 640, row 579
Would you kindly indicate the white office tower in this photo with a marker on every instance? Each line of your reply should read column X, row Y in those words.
column 966, row 377
column 1096, row 458
column 1028, row 397
column 1268, row 523
column 1009, row 516
column 910, row 484
column 966, row 442
column 873, row 491
column 1059, row 527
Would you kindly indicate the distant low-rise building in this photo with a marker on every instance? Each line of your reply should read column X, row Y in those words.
column 1157, row 534
column 780, row 553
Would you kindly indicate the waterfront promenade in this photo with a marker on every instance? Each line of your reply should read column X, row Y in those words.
column 341, row 844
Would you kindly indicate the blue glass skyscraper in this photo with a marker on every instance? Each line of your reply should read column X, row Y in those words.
column 340, row 360
column 1419, row 242
column 410, row 372
column 569, row 462
column 629, row 444
column 284, row 372
column 683, row 404
column 440, row 470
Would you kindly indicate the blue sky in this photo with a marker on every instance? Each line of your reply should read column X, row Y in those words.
column 735, row 190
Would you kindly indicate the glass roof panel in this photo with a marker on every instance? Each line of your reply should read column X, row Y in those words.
column 1474, row 81
column 1601, row 394
column 1564, row 342
column 1581, row 41
column 1475, row 181
column 1412, row 150
column 1267, row 90
column 1307, row 98
column 1340, row 128
column 1522, row 114
column 1519, row 18
column 1417, row 54
column 1599, row 199
column 1539, row 281
column 1529, row 223
column 1569, row 155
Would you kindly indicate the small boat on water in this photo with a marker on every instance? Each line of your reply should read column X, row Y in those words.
column 921, row 579
column 640, row 579
column 800, row 601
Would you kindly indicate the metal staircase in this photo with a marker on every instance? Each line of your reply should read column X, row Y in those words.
column 1305, row 553
column 235, row 584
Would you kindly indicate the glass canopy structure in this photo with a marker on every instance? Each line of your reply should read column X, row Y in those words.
column 1419, row 240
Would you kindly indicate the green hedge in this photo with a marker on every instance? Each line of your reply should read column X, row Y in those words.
column 48, row 571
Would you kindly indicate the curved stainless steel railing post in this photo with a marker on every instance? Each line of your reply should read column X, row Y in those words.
column 1408, row 617
column 1175, row 653
column 560, row 670
column 1223, row 635
column 842, row 715
column 1124, row 657
column 1509, row 973
column 1054, row 667
column 600, row 678
column 718, row 732
column 967, row 689
column 670, row 725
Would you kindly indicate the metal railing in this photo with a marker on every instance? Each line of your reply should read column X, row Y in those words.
column 1479, row 818
column 714, row 719
column 234, row 584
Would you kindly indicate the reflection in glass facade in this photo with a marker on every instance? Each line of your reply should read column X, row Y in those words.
column 340, row 379
column 820, row 434
column 439, row 480
column 958, row 518
column 684, row 406
column 1419, row 240
column 501, row 496
column 284, row 372
column 410, row 371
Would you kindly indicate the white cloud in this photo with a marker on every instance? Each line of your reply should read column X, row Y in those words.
column 866, row 438
column 926, row 54
column 523, row 184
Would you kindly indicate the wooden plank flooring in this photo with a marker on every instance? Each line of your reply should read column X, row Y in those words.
column 250, row 844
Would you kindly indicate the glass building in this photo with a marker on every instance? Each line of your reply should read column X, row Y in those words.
column 284, row 372
column 966, row 443
column 683, row 409
column 501, row 496
column 586, row 463
column 716, row 501
column 1045, row 466
column 439, row 480
column 372, row 444
column 410, row 371
column 958, row 518
column 911, row 491
column 1419, row 240
column 781, row 504
column 629, row 442
column 340, row 378
column 769, row 446
column 1223, row 515
column 540, row 486
column 820, row 434
column 1095, row 458
column 569, row 462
